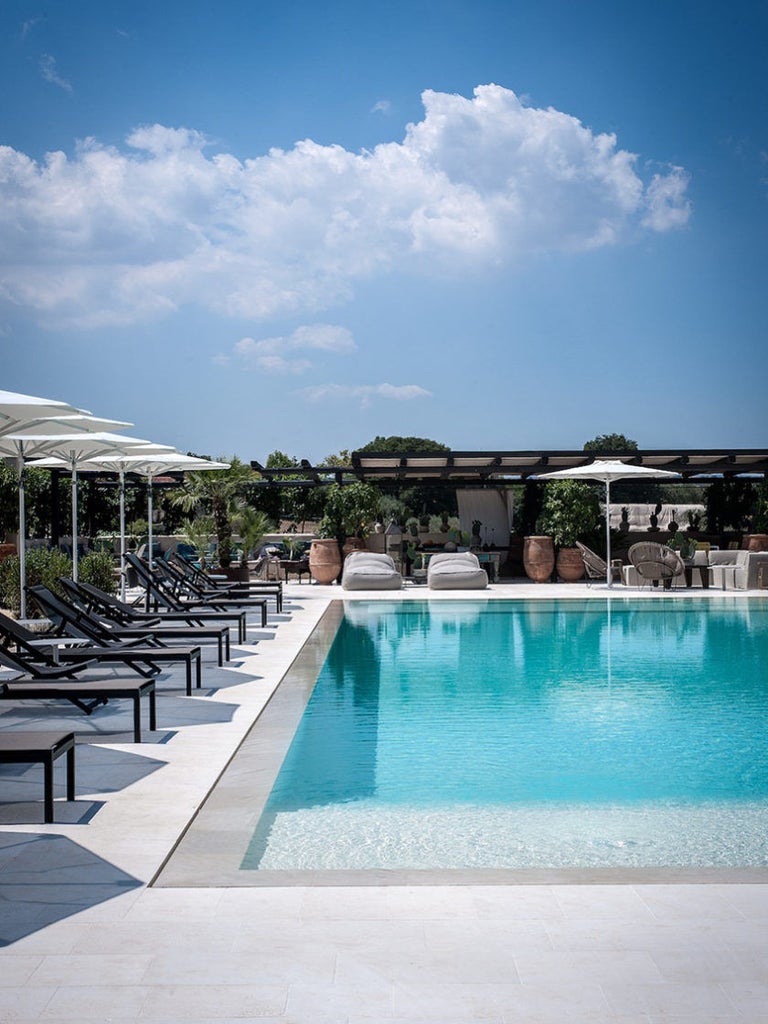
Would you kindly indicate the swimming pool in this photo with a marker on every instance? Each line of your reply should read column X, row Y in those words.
column 526, row 734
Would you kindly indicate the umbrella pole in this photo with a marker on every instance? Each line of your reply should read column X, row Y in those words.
column 74, row 523
column 608, row 570
column 149, row 530
column 21, row 545
column 122, row 534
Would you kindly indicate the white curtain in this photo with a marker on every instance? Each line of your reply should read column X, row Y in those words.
column 491, row 508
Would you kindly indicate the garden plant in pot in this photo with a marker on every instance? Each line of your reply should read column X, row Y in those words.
column 349, row 513
column 571, row 510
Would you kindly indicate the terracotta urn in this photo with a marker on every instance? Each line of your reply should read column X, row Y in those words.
column 755, row 542
column 538, row 558
column 324, row 560
column 570, row 565
column 352, row 544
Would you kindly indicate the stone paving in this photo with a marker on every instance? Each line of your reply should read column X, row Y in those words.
column 86, row 937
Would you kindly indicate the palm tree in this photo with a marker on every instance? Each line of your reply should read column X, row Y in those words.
column 216, row 492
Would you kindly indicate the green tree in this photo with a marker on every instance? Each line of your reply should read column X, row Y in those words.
column 610, row 443
column 403, row 445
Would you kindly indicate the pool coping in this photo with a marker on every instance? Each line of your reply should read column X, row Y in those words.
column 211, row 850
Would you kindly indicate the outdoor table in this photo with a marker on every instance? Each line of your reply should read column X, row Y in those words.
column 297, row 565
column 690, row 565
column 41, row 748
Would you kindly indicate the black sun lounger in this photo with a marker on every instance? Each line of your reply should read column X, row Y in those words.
column 96, row 692
column 126, row 622
column 195, row 613
column 206, row 583
column 145, row 660
column 172, row 582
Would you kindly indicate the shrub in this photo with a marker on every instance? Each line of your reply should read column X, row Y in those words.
column 43, row 567
column 571, row 511
column 98, row 569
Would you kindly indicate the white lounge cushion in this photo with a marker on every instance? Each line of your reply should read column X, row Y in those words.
column 367, row 570
column 456, row 570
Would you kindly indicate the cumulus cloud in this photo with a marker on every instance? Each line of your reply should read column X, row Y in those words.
column 275, row 355
column 50, row 73
column 364, row 393
column 113, row 235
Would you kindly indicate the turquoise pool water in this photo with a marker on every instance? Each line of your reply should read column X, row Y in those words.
column 530, row 733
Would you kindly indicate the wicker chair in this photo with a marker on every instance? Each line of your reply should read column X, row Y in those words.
column 656, row 563
column 594, row 566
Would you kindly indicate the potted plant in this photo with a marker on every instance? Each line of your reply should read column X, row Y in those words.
column 349, row 511
column 654, row 519
column 571, row 510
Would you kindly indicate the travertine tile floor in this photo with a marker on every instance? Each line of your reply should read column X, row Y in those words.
column 86, row 939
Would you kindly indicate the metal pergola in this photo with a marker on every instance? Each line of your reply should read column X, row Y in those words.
column 473, row 468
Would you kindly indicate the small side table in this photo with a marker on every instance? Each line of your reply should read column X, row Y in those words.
column 41, row 748
column 299, row 565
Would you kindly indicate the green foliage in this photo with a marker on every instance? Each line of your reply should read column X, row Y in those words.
column 97, row 568
column 349, row 511
column 570, row 511
column 198, row 533
column 760, row 513
column 729, row 504
column 43, row 567
column 529, row 509
column 251, row 525
column 136, row 532
column 38, row 500
column 216, row 492
column 686, row 546
column 610, row 443
column 403, row 445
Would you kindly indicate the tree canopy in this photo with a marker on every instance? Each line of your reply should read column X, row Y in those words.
column 401, row 445
column 610, row 443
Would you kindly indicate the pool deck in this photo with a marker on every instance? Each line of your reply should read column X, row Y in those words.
column 86, row 937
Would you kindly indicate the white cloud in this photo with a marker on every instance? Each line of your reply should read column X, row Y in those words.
column 272, row 354
column 364, row 393
column 50, row 74
column 665, row 201
column 112, row 236
column 381, row 107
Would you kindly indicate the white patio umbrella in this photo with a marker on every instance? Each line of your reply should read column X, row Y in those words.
column 121, row 462
column 33, row 440
column 154, row 465
column 607, row 470
column 74, row 450
column 18, row 412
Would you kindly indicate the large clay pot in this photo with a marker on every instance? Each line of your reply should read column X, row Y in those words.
column 324, row 560
column 570, row 565
column 755, row 542
column 538, row 558
column 352, row 544
column 6, row 551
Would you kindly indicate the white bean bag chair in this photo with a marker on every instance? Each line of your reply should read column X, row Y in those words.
column 366, row 570
column 456, row 570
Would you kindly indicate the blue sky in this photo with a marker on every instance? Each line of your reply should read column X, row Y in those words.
column 501, row 225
